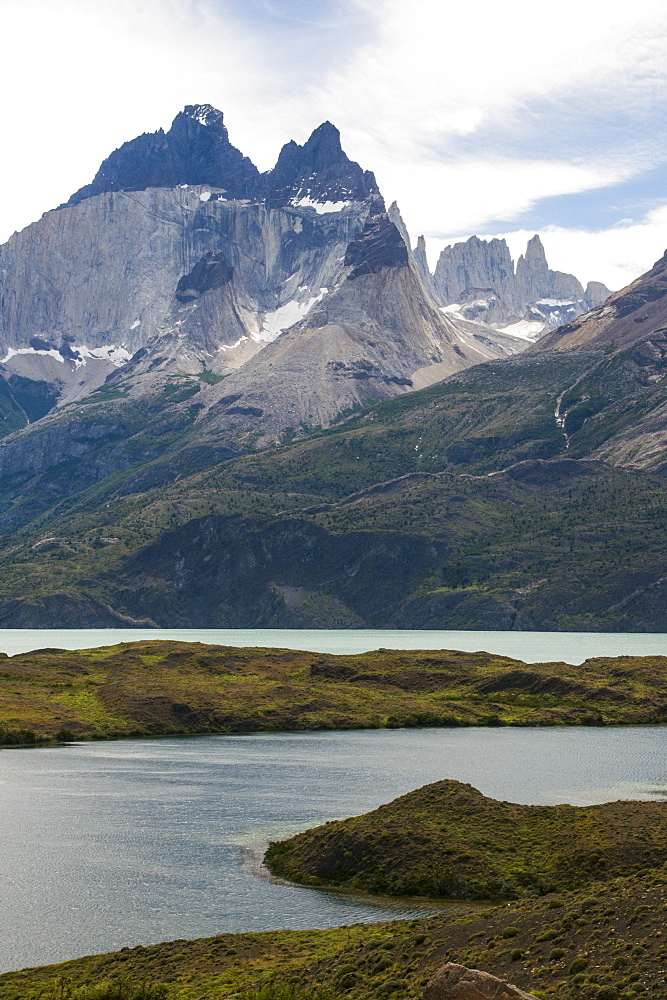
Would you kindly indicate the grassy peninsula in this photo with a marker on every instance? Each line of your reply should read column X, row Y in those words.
column 160, row 688
column 447, row 839
column 605, row 942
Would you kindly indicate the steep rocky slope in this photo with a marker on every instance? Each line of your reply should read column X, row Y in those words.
column 631, row 329
column 636, row 312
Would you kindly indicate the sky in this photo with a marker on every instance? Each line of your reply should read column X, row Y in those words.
column 490, row 118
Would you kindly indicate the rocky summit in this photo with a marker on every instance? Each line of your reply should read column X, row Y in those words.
column 477, row 280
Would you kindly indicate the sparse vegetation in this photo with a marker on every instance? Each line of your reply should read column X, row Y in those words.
column 157, row 687
column 447, row 839
column 596, row 924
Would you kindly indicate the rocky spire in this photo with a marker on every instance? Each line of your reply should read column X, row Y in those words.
column 421, row 260
column 319, row 172
column 535, row 280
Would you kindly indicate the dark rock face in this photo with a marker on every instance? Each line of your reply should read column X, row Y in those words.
column 195, row 150
column 456, row 982
column 318, row 171
column 211, row 272
column 378, row 245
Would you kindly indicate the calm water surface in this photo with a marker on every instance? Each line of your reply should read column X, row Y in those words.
column 113, row 844
column 533, row 647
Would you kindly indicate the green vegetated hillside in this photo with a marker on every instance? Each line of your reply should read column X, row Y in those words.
column 144, row 688
column 558, row 546
column 605, row 942
column 460, row 506
column 447, row 839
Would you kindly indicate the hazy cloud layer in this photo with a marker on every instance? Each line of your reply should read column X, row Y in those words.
column 489, row 118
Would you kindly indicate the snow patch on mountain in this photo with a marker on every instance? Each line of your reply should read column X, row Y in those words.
column 321, row 207
column 76, row 355
column 231, row 347
column 13, row 352
column 525, row 329
column 114, row 353
column 285, row 316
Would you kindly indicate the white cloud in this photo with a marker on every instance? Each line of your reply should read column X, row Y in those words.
column 87, row 75
column 449, row 197
column 436, row 63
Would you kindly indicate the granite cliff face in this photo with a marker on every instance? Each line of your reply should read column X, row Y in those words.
column 476, row 264
column 477, row 280
column 180, row 258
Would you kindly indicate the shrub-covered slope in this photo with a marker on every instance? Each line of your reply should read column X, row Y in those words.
column 447, row 839
column 605, row 942
column 472, row 504
column 560, row 545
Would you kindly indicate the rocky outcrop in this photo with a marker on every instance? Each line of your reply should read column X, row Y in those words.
column 456, row 982
column 477, row 281
column 477, row 264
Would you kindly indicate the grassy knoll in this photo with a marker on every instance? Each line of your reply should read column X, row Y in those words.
column 605, row 942
column 447, row 839
column 158, row 687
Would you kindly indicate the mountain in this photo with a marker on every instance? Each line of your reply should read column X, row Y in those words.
column 177, row 267
column 626, row 317
column 195, row 150
column 477, row 280
column 253, row 411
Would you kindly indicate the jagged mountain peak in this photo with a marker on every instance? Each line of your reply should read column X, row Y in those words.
column 318, row 173
column 205, row 114
column 195, row 150
column 477, row 280
column 535, row 255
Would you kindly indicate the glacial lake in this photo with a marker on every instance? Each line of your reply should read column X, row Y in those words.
column 123, row 843
column 533, row 647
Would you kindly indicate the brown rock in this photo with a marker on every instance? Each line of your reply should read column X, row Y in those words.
column 455, row 982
